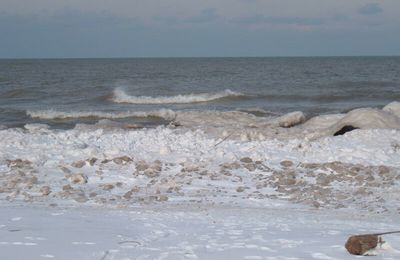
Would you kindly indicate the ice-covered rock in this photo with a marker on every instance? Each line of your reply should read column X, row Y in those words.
column 37, row 127
column 78, row 178
column 367, row 118
column 141, row 166
column 122, row 160
column 322, row 121
column 291, row 119
column 45, row 190
column 393, row 108
column 108, row 186
column 78, row 164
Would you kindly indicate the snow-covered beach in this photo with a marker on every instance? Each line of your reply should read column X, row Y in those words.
column 186, row 232
column 220, row 185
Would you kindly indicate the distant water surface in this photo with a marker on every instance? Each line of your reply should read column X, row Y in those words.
column 63, row 92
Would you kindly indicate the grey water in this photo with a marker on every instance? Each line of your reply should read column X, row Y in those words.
column 314, row 85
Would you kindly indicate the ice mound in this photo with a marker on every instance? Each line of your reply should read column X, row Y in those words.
column 291, row 119
column 166, row 114
column 244, row 126
column 366, row 118
column 37, row 127
column 322, row 121
column 393, row 108
column 361, row 118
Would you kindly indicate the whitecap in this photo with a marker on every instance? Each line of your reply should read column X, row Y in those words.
column 120, row 96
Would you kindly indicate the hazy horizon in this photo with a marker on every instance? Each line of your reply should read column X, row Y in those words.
column 178, row 28
column 205, row 57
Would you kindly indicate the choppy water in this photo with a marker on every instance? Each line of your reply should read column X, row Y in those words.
column 62, row 92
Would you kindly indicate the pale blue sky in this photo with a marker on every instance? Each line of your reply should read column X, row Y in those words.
column 187, row 28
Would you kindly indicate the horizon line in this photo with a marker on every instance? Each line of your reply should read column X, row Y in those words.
column 200, row 57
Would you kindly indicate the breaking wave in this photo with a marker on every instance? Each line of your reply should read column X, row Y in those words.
column 120, row 96
column 166, row 114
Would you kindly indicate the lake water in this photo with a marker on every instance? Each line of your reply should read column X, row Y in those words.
column 63, row 92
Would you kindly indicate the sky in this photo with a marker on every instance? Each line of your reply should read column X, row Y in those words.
column 198, row 28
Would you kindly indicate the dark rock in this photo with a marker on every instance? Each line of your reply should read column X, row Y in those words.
column 286, row 163
column 359, row 245
column 345, row 129
column 246, row 160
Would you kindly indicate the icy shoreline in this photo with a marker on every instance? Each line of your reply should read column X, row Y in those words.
column 280, row 187
column 121, row 167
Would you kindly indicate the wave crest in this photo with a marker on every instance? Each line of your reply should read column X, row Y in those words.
column 120, row 96
column 166, row 114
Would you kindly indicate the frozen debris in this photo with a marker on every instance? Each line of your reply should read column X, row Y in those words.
column 141, row 166
column 67, row 187
column 78, row 178
column 246, row 160
column 240, row 189
column 108, row 187
column 91, row 161
column 45, row 190
column 150, row 170
column 122, row 160
column 128, row 195
column 18, row 163
column 65, row 170
column 286, row 163
column 161, row 198
column 151, row 173
column 78, row 164
column 80, row 197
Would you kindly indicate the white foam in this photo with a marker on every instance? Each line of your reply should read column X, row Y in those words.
column 120, row 96
column 167, row 114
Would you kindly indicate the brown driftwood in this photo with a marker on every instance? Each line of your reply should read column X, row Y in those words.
column 361, row 244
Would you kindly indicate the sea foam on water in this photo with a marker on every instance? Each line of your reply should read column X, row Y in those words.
column 120, row 96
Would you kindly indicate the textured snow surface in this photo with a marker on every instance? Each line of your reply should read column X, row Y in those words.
column 184, row 233
column 122, row 167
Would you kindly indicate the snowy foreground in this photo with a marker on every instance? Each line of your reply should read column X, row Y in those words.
column 212, row 185
column 189, row 232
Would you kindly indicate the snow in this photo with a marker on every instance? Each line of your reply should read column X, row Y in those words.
column 190, row 232
column 218, row 185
